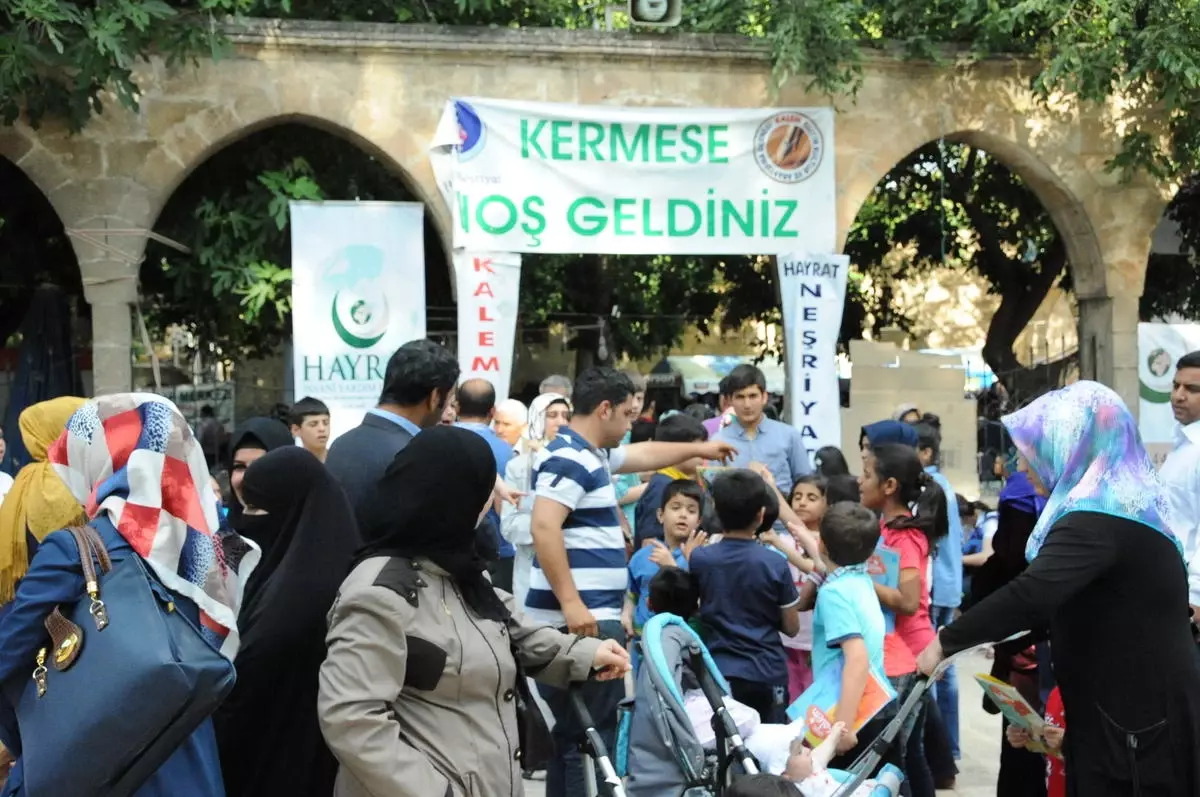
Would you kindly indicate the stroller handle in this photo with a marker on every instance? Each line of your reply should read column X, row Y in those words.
column 592, row 746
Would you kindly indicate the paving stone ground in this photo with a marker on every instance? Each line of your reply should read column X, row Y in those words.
column 980, row 740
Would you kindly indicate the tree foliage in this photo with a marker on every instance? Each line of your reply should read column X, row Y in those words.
column 234, row 289
column 952, row 204
column 56, row 56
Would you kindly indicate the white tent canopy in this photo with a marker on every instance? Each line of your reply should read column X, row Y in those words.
column 702, row 373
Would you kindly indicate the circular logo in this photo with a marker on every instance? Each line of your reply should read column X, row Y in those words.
column 788, row 147
column 359, row 308
column 472, row 135
column 360, row 315
column 1156, row 371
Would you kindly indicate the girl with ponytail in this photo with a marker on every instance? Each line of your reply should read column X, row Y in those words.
column 912, row 518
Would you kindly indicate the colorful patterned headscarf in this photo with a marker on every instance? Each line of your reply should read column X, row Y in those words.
column 1084, row 445
column 133, row 458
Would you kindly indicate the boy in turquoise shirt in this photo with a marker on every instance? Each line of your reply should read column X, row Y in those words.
column 848, row 622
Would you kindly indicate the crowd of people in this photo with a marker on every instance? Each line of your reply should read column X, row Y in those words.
column 385, row 597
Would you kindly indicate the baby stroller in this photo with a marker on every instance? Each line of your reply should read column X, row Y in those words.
column 656, row 745
column 659, row 751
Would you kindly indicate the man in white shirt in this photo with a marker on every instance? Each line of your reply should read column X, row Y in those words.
column 1181, row 470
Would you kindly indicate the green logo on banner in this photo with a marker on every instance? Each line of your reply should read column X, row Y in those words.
column 359, row 307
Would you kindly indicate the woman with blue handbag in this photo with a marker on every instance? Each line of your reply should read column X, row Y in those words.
column 102, row 714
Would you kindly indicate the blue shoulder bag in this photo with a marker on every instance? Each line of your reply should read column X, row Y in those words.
column 125, row 680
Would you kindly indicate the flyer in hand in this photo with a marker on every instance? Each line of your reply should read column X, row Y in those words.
column 818, row 705
column 1015, row 709
column 884, row 568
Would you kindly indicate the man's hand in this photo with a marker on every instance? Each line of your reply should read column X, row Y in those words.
column 579, row 620
column 661, row 554
column 627, row 620
column 716, row 450
column 1054, row 736
column 505, row 494
column 1017, row 737
column 611, row 661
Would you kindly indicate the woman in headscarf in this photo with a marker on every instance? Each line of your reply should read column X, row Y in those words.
column 267, row 730
column 547, row 413
column 251, row 440
column 120, row 454
column 417, row 693
column 1106, row 575
column 38, row 502
column 882, row 433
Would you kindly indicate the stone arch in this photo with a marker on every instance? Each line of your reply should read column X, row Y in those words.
column 24, row 148
column 1066, row 209
column 191, row 131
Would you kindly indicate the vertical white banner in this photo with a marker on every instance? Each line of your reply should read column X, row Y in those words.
column 358, row 294
column 813, row 288
column 488, row 287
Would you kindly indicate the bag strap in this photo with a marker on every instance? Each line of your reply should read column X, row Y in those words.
column 92, row 551
column 65, row 636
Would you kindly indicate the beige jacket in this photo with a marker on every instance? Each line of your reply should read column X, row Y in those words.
column 417, row 692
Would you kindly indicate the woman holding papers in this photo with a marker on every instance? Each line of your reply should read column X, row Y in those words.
column 1106, row 576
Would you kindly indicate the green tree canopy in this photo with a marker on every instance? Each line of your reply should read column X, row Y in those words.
column 56, row 56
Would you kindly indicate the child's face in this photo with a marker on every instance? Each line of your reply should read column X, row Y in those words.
column 800, row 764
column 809, row 504
column 313, row 433
column 873, row 496
column 680, row 518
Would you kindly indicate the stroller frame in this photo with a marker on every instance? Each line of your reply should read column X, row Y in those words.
column 594, row 751
column 670, row 759
column 869, row 759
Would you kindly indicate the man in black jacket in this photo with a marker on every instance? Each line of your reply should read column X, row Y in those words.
column 419, row 379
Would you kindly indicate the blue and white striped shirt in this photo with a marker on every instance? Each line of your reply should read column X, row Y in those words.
column 578, row 476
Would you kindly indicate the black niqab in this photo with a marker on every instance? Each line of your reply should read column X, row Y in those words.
column 427, row 505
column 265, row 434
column 268, row 732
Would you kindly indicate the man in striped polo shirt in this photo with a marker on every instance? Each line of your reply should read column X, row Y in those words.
column 579, row 577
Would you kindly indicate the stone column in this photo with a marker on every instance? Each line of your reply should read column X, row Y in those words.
column 1108, row 344
column 112, row 334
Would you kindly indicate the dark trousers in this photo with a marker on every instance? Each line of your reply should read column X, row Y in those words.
column 939, row 752
column 501, row 572
column 768, row 699
column 564, row 773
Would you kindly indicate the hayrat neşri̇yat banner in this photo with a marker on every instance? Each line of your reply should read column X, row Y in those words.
column 358, row 294
column 813, row 288
column 1159, row 347
column 488, row 290
column 545, row 177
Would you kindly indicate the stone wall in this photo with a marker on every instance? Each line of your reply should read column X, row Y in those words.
column 383, row 88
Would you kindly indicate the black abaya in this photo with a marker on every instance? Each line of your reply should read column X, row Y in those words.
column 267, row 731
column 1114, row 594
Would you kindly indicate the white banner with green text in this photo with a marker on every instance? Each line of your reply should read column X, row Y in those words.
column 358, row 294
column 546, row 177
column 813, row 288
column 488, row 287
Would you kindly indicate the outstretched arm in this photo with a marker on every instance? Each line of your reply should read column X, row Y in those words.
column 1071, row 558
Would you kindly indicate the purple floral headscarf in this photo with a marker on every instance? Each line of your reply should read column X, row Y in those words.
column 1084, row 445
